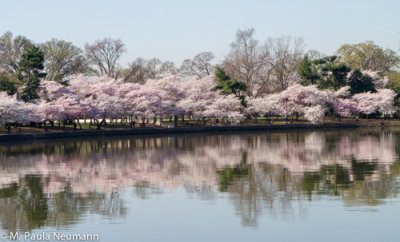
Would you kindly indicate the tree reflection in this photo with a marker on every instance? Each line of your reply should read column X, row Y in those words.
column 34, row 202
column 228, row 175
column 25, row 207
column 56, row 183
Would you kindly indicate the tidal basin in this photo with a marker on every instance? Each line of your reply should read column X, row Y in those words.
column 331, row 185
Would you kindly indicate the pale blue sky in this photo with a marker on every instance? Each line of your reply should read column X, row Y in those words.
column 176, row 29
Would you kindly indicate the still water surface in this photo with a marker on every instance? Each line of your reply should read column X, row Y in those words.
column 339, row 185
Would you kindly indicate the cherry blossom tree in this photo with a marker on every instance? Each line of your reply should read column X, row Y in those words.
column 141, row 100
column 207, row 102
column 268, row 105
column 51, row 111
column 196, row 102
column 224, row 107
column 315, row 114
column 382, row 101
column 100, row 98
column 13, row 110
column 298, row 99
column 169, row 87
column 366, row 102
column 295, row 101
column 344, row 107
column 385, row 101
column 51, row 90
column 60, row 103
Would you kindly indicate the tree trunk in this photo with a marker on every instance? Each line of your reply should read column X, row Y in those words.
column 98, row 124
column 79, row 124
column 143, row 122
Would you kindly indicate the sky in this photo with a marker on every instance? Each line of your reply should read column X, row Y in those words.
column 176, row 29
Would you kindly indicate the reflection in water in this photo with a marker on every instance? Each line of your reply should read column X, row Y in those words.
column 58, row 183
column 24, row 206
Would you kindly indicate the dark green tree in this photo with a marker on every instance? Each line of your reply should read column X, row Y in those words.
column 7, row 85
column 228, row 86
column 333, row 73
column 394, row 84
column 29, row 72
column 307, row 72
column 360, row 83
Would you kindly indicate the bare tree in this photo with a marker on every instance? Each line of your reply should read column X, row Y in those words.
column 249, row 62
column 153, row 67
column 141, row 70
column 315, row 55
column 285, row 60
column 11, row 50
column 168, row 67
column 199, row 66
column 103, row 56
column 264, row 67
column 136, row 72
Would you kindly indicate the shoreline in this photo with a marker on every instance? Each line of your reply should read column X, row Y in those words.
column 179, row 130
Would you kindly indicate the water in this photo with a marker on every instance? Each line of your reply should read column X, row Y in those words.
column 339, row 185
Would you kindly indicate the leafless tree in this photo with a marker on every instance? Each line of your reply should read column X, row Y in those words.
column 136, row 72
column 199, row 66
column 249, row 62
column 11, row 50
column 141, row 70
column 285, row 60
column 264, row 67
column 103, row 56
column 168, row 67
column 315, row 55
column 153, row 67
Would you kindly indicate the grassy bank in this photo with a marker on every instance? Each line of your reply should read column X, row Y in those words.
column 60, row 127
column 25, row 133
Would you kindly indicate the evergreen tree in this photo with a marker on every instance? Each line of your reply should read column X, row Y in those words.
column 29, row 72
column 6, row 85
column 228, row 86
column 307, row 72
column 333, row 73
column 360, row 83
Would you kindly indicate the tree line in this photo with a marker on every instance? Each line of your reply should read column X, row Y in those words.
column 273, row 77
